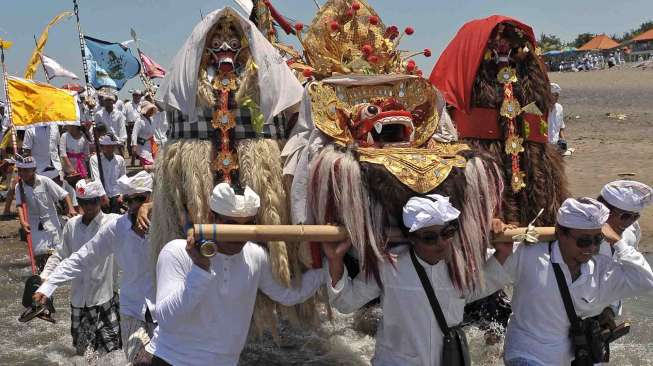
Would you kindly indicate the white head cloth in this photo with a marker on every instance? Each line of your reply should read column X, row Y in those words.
column 226, row 202
column 106, row 140
column 555, row 88
column 582, row 213
column 139, row 183
column 25, row 163
column 279, row 88
column 88, row 190
column 627, row 195
column 421, row 212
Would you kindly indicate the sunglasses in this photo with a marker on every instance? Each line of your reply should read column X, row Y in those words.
column 88, row 201
column 135, row 199
column 446, row 233
column 587, row 241
column 629, row 216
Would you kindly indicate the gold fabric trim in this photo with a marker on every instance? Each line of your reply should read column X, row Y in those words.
column 421, row 170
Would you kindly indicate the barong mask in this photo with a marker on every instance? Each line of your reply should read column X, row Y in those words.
column 375, row 117
column 224, row 47
column 499, row 94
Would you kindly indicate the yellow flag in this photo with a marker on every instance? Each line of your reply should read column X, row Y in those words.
column 40, row 44
column 34, row 103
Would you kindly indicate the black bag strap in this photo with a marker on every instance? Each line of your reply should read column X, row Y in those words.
column 430, row 294
column 566, row 297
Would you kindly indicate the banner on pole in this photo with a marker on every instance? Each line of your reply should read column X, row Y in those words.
column 109, row 64
column 152, row 69
column 37, row 104
column 40, row 44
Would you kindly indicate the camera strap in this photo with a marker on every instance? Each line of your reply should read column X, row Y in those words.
column 566, row 297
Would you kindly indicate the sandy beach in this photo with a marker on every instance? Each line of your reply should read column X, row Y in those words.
column 608, row 148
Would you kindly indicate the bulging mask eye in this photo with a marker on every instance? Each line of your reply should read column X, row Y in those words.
column 369, row 111
column 234, row 44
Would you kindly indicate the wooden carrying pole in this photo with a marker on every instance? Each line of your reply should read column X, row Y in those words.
column 318, row 233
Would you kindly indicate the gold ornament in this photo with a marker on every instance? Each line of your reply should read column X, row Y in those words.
column 517, row 181
column 225, row 81
column 514, row 145
column 507, row 75
column 510, row 108
column 223, row 120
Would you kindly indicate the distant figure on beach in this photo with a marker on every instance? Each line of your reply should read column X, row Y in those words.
column 557, row 120
column 611, row 61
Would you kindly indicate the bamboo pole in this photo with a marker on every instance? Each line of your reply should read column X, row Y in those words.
column 319, row 233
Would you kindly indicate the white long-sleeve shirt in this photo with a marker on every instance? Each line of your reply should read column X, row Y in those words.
column 161, row 125
column 95, row 284
column 41, row 202
column 204, row 316
column 556, row 123
column 130, row 251
column 112, row 169
column 538, row 328
column 43, row 142
column 409, row 334
column 132, row 111
column 143, row 129
column 115, row 122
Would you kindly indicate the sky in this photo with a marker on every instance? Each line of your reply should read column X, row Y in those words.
column 163, row 25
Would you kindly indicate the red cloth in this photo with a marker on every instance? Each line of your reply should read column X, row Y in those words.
column 455, row 71
column 483, row 124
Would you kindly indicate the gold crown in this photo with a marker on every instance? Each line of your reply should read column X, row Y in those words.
column 349, row 37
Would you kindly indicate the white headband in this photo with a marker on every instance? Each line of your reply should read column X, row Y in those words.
column 627, row 195
column 582, row 213
column 226, row 202
column 139, row 183
column 421, row 212
column 88, row 190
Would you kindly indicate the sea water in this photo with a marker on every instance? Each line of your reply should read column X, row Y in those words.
column 334, row 343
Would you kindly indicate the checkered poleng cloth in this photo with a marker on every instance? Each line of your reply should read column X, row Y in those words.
column 180, row 128
column 96, row 326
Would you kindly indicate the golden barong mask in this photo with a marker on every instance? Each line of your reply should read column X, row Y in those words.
column 389, row 124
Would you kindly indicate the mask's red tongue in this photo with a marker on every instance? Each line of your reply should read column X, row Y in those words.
column 224, row 61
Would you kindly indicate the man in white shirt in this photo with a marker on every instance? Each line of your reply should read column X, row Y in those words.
column 205, row 305
column 539, row 331
column 42, row 143
column 132, row 112
column 409, row 333
column 142, row 138
column 113, row 167
column 94, row 316
column 112, row 118
column 41, row 219
column 131, row 251
column 556, row 119
column 625, row 199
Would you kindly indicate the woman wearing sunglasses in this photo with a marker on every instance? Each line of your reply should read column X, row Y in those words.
column 539, row 328
column 410, row 332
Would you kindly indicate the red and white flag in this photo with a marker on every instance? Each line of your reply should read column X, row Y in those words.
column 151, row 68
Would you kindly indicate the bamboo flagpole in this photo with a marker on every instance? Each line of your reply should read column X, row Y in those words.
column 21, row 189
column 144, row 79
column 96, row 137
column 45, row 71
column 327, row 233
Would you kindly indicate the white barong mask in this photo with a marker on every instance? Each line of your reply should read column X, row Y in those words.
column 278, row 87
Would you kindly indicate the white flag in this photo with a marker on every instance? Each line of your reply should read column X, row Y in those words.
column 246, row 5
column 54, row 69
